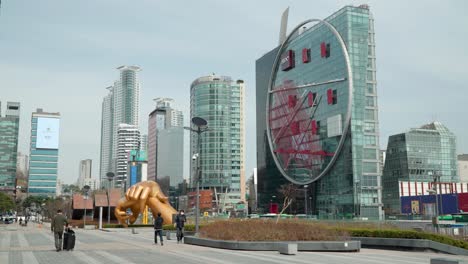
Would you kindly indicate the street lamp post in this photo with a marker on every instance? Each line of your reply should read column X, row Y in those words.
column 110, row 177
column 201, row 125
column 85, row 190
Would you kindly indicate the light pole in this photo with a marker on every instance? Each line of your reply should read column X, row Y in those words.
column 305, row 199
column 201, row 125
column 435, row 220
column 85, row 190
column 110, row 177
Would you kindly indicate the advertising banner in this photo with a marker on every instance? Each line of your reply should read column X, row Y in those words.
column 47, row 133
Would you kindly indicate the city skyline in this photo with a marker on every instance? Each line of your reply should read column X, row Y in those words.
column 46, row 75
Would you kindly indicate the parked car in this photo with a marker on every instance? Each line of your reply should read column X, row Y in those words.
column 8, row 220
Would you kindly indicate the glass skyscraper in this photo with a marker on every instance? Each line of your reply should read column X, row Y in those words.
column 352, row 187
column 418, row 155
column 44, row 151
column 220, row 101
column 9, row 128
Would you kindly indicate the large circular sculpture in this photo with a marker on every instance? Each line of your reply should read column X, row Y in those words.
column 309, row 101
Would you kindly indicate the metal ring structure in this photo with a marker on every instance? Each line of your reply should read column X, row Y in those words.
column 350, row 99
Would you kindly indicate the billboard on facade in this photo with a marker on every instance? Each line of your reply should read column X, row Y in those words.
column 47, row 133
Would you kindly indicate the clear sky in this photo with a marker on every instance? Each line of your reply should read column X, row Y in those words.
column 61, row 55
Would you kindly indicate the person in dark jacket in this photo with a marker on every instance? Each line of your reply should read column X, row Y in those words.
column 180, row 223
column 57, row 228
column 158, row 226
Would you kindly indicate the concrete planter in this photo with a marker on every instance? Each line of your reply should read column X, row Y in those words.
column 418, row 244
column 345, row 246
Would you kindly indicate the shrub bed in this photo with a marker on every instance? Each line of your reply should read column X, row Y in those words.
column 188, row 227
column 268, row 230
column 165, row 227
column 409, row 234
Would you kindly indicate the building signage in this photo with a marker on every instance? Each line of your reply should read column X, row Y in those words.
column 287, row 60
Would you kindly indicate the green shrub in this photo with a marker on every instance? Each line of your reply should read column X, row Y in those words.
column 121, row 226
column 188, row 227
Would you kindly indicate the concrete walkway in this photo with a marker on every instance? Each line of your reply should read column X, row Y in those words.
column 34, row 244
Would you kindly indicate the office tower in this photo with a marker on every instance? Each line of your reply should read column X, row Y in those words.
column 120, row 106
column 165, row 144
column 463, row 167
column 422, row 154
column 9, row 129
column 171, row 155
column 84, row 172
column 128, row 139
column 43, row 156
column 351, row 187
column 220, row 101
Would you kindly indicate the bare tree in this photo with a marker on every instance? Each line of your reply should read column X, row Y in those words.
column 287, row 191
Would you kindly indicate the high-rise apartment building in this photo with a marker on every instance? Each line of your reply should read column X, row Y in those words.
column 128, row 139
column 9, row 128
column 419, row 155
column 144, row 143
column 166, row 144
column 43, row 156
column 315, row 61
column 120, row 106
column 220, row 101
column 107, row 128
column 84, row 172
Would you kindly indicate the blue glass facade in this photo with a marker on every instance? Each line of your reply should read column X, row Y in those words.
column 220, row 101
column 418, row 155
column 43, row 163
column 352, row 187
column 9, row 128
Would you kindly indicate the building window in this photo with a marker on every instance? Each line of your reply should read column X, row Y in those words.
column 332, row 97
column 324, row 50
column 311, row 98
column 305, row 55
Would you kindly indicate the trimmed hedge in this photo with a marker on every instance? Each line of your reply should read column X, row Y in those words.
column 121, row 226
column 408, row 234
column 189, row 227
column 165, row 227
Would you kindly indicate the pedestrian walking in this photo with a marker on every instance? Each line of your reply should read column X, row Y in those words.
column 56, row 227
column 158, row 226
column 180, row 223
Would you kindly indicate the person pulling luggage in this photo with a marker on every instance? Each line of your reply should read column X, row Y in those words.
column 58, row 222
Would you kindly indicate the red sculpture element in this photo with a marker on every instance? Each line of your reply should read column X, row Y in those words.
column 294, row 133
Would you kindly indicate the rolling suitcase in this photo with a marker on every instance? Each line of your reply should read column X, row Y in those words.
column 68, row 239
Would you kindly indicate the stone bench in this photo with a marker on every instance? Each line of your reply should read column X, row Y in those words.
column 171, row 235
column 287, row 248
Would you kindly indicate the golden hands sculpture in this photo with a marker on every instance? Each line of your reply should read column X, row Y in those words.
column 137, row 197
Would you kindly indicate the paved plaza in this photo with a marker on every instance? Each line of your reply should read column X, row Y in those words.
column 34, row 244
